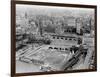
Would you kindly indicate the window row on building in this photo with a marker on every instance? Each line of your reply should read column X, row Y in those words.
column 59, row 48
column 64, row 38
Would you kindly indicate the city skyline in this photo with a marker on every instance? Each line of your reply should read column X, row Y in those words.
column 50, row 10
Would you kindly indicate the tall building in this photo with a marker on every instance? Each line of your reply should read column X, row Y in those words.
column 71, row 21
column 78, row 25
column 59, row 29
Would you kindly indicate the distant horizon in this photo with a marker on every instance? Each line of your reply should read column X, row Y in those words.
column 53, row 10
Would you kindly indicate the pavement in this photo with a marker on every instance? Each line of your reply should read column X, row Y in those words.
column 22, row 67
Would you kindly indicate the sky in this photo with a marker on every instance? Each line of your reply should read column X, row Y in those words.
column 39, row 9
